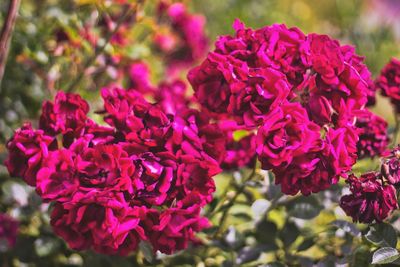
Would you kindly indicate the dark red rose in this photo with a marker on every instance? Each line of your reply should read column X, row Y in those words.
column 370, row 199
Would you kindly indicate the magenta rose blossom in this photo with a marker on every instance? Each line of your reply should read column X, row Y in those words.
column 153, row 177
column 27, row 148
column 103, row 166
column 211, row 136
column 275, row 46
column 320, row 167
column 67, row 115
column 370, row 199
column 227, row 86
column 286, row 133
column 311, row 173
column 341, row 145
column 176, row 226
column 123, row 107
column 389, row 82
column 291, row 146
column 373, row 134
column 56, row 179
column 213, row 80
column 8, row 230
column 337, row 83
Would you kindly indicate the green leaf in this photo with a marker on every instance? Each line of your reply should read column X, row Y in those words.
column 385, row 255
column 306, row 244
column 382, row 234
column 360, row 257
column 346, row 226
column 304, row 208
column 248, row 254
column 239, row 134
column 266, row 232
column 289, row 233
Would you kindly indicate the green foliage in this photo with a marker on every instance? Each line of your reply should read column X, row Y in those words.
column 385, row 255
column 382, row 235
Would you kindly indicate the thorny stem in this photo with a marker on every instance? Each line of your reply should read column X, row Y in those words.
column 6, row 33
column 99, row 50
column 231, row 202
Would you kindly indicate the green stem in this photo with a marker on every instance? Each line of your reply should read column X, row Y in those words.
column 99, row 50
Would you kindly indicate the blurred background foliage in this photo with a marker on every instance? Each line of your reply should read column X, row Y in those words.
column 263, row 227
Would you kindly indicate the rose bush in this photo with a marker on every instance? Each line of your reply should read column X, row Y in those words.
column 151, row 149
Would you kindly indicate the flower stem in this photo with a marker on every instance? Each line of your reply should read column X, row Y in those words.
column 6, row 33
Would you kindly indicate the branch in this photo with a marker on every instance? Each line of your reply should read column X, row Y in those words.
column 6, row 33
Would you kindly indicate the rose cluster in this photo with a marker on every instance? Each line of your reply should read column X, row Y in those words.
column 300, row 93
column 373, row 195
column 142, row 177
